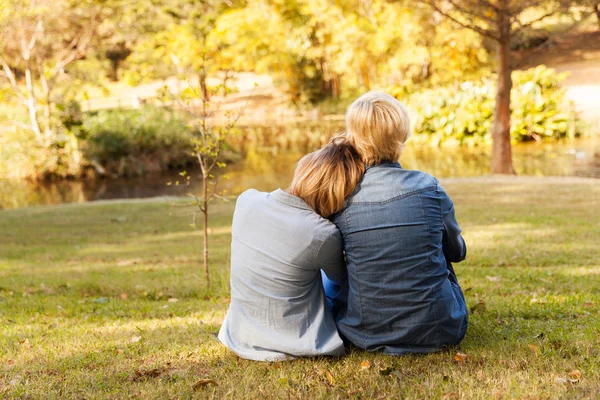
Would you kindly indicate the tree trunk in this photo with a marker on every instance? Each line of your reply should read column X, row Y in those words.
column 597, row 11
column 205, row 211
column 203, row 85
column 47, row 91
column 225, row 79
column 501, row 147
column 31, row 104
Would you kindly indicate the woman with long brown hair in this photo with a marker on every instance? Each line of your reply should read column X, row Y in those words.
column 280, row 243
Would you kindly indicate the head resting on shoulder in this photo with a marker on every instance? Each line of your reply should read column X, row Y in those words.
column 324, row 178
column 377, row 125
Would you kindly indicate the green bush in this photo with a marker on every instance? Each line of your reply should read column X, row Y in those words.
column 23, row 156
column 133, row 142
column 464, row 113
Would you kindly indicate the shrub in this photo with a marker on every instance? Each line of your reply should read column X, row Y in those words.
column 23, row 156
column 464, row 113
column 133, row 142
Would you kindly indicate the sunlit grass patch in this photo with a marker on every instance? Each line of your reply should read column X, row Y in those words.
column 108, row 301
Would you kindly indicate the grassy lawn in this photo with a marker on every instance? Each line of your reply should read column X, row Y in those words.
column 107, row 300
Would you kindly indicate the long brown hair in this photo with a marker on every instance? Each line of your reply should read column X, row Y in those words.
column 324, row 178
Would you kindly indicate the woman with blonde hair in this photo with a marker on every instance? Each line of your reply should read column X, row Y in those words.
column 400, row 237
column 280, row 243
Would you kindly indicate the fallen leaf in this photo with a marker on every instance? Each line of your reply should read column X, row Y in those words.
column 365, row 365
column 119, row 351
column 11, row 362
column 588, row 304
column 330, row 378
column 173, row 300
column 284, row 380
column 534, row 348
column 203, row 382
column 123, row 296
column 136, row 339
column 148, row 373
column 574, row 376
column 492, row 278
column 479, row 307
column 461, row 357
column 25, row 344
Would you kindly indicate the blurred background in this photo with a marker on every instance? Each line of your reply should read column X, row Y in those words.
column 99, row 99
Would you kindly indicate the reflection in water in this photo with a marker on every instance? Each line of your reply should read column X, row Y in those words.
column 266, row 167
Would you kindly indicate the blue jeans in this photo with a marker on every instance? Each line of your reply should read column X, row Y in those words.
column 336, row 294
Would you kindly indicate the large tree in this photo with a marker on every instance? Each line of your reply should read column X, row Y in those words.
column 39, row 40
column 500, row 21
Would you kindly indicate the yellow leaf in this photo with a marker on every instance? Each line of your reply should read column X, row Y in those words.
column 330, row 377
column 461, row 357
column 123, row 296
column 574, row 376
column 534, row 348
column 365, row 365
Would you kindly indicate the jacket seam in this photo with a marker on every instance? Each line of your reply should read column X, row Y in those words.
column 402, row 196
column 358, row 291
column 435, row 304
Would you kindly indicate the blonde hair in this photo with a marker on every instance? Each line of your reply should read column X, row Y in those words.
column 378, row 125
column 324, row 178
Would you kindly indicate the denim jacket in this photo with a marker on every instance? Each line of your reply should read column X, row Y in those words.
column 400, row 236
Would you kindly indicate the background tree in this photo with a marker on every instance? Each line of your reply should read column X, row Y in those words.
column 39, row 41
column 500, row 21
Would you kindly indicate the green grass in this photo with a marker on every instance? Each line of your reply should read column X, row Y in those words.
column 85, row 310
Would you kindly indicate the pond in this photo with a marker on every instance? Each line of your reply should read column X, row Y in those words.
column 267, row 168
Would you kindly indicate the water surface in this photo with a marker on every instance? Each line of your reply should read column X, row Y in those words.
column 267, row 167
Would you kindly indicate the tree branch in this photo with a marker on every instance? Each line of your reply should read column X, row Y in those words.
column 475, row 14
column 530, row 23
column 12, row 80
column 547, row 42
column 484, row 32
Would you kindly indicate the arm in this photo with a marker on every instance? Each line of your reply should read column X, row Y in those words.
column 330, row 257
column 453, row 244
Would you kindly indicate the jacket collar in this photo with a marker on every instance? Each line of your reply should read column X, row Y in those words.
column 289, row 199
column 384, row 164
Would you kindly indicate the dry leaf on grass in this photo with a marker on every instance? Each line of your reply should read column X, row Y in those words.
column 123, row 296
column 148, row 373
column 173, row 300
column 330, row 378
column 365, row 365
column 200, row 383
column 479, row 307
column 136, row 339
column 461, row 357
column 574, row 376
column 534, row 348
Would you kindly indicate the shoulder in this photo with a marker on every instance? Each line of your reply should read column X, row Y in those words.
column 383, row 184
column 250, row 196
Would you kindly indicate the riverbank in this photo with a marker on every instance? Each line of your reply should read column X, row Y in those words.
column 106, row 300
